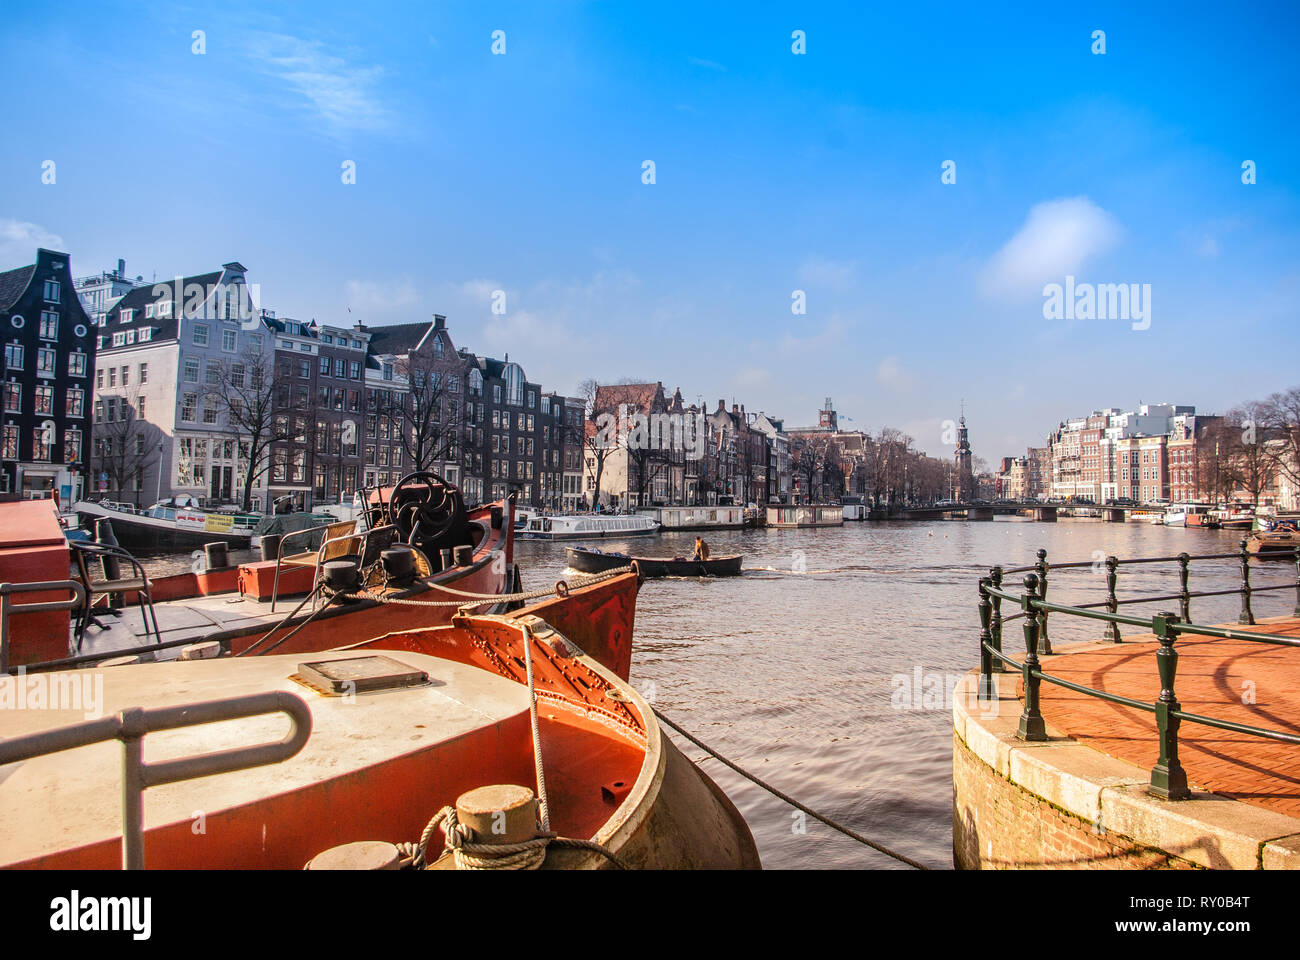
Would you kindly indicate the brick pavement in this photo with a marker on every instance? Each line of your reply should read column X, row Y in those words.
column 1216, row 678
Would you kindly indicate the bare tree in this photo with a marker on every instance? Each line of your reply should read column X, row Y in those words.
column 1253, row 465
column 596, row 443
column 1280, row 419
column 809, row 454
column 245, row 393
column 427, row 426
column 124, row 447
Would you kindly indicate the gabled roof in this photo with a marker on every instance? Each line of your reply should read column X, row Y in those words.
column 142, row 296
column 638, row 395
column 13, row 283
column 399, row 338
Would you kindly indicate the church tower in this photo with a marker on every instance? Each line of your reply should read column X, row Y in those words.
column 964, row 487
column 828, row 419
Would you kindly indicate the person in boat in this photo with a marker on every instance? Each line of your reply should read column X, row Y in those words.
column 701, row 549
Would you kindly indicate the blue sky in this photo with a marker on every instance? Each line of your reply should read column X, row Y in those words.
column 775, row 172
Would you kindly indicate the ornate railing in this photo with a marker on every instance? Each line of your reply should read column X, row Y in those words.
column 1168, row 779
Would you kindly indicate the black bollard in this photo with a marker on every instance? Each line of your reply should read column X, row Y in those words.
column 109, row 567
column 215, row 555
column 269, row 544
column 465, row 556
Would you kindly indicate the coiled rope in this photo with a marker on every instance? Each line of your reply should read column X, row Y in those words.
column 791, row 800
column 525, row 855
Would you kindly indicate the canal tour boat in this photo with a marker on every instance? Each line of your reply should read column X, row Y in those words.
column 168, row 526
column 390, row 740
column 588, row 526
column 805, row 515
column 343, row 581
column 597, row 561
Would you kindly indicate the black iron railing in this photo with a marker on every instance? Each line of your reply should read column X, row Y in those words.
column 1168, row 779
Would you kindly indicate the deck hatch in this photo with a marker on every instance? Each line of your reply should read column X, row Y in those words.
column 358, row 675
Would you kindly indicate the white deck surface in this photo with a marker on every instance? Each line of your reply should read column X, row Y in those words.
column 73, row 798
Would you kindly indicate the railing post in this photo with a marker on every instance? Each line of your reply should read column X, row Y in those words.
column 995, row 628
column 1042, row 595
column 132, row 735
column 1032, row 726
column 986, row 691
column 1168, row 778
column 1112, row 604
column 1246, row 617
column 1185, row 600
column 1296, row 611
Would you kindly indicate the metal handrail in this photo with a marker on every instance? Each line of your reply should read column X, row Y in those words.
column 130, row 726
column 8, row 607
column 1168, row 779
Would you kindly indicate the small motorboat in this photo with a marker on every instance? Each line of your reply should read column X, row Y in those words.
column 1282, row 543
column 596, row 561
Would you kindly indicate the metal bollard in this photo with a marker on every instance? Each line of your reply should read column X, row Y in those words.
column 1168, row 778
column 1246, row 617
column 1032, row 726
column 270, row 546
column 216, row 555
column 109, row 567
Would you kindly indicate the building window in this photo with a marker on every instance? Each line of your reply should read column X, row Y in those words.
column 126, row 376
column 212, row 373
column 76, row 364
column 71, row 445
column 304, row 369
column 126, row 315
column 210, row 411
column 200, row 335
column 355, row 370
column 44, row 398
column 388, row 371
column 49, row 325
column 144, row 373
column 13, row 398
column 112, row 376
column 229, row 339
column 10, row 444
column 189, row 406
column 146, row 334
column 191, row 370
column 45, row 360
column 76, row 402
column 338, row 368
column 52, row 291
column 119, row 338
column 324, row 366
column 237, row 375
column 41, row 444
column 14, row 356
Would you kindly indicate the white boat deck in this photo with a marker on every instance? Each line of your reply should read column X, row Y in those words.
column 71, row 799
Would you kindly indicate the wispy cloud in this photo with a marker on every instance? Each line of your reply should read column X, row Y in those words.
column 19, row 240
column 890, row 373
column 1058, row 237
column 707, row 64
column 340, row 93
column 822, row 272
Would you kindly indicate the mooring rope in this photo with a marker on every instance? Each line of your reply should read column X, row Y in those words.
column 561, row 587
column 525, row 855
column 791, row 800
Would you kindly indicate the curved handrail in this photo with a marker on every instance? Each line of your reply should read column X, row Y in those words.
column 1168, row 779
column 130, row 726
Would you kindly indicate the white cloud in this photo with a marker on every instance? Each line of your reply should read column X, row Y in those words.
column 19, row 240
column 368, row 298
column 340, row 93
column 890, row 373
column 818, row 272
column 707, row 64
column 1058, row 238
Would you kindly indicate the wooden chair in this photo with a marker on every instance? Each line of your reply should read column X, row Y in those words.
column 337, row 540
column 83, row 553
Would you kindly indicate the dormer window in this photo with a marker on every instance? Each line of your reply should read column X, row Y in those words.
column 127, row 315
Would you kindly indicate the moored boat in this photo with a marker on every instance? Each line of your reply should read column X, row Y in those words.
column 587, row 526
column 167, row 528
column 723, row 517
column 805, row 515
column 416, row 556
column 404, row 729
column 1281, row 543
column 596, row 561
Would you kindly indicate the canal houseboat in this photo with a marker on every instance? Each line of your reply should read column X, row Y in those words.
column 805, row 515
column 398, row 748
column 588, row 526
column 169, row 528
column 725, row 517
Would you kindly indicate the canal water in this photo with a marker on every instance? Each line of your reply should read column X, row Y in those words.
column 825, row 669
